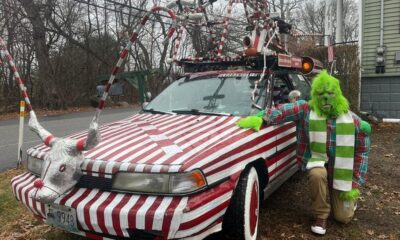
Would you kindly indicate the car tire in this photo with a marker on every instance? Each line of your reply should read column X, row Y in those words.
column 241, row 218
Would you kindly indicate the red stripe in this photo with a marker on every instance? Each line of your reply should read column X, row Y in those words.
column 172, row 14
column 115, row 71
column 144, row 19
column 80, row 198
column 21, row 186
column 93, row 236
column 134, row 36
column 19, row 80
column 107, row 88
column 170, row 32
column 116, row 214
column 100, row 212
column 209, row 214
column 13, row 69
column 24, row 94
column 124, row 53
column 169, row 215
column 155, row 9
column 133, row 211
column 288, row 164
column 68, row 196
column 101, row 104
column 256, row 41
column 80, row 145
column 48, row 140
column 204, row 198
column 149, row 217
column 86, row 212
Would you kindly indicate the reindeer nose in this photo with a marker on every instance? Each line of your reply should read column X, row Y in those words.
column 38, row 184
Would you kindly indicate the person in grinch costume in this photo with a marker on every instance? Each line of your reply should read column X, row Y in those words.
column 333, row 147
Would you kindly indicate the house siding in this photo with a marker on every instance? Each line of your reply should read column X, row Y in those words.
column 380, row 93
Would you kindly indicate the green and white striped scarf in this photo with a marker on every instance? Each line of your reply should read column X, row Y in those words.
column 345, row 138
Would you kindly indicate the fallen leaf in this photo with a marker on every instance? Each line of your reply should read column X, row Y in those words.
column 388, row 155
column 370, row 232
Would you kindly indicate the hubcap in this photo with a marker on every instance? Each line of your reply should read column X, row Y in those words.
column 253, row 214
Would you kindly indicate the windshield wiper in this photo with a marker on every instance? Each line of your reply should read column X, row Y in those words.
column 198, row 112
column 152, row 110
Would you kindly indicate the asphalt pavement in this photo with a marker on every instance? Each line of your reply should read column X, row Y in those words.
column 60, row 125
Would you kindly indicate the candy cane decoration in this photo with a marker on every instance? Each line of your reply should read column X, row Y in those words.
column 6, row 55
column 224, row 33
column 125, row 51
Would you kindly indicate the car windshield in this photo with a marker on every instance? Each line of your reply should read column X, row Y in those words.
column 215, row 95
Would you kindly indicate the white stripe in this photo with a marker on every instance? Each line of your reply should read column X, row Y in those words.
column 21, row 185
column 342, row 185
column 314, row 116
column 315, row 164
column 93, row 211
column 108, row 213
column 319, row 137
column 345, row 140
column 345, row 118
column 344, row 163
column 175, row 221
column 123, row 216
column 96, row 165
column 141, row 213
column 79, row 209
column 160, row 212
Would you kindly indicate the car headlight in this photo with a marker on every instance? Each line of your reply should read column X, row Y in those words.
column 164, row 183
column 35, row 165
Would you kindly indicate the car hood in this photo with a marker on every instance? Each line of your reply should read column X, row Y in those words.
column 156, row 143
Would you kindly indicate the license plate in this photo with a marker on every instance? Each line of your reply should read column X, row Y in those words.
column 62, row 217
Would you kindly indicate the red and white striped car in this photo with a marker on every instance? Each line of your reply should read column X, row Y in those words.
column 180, row 169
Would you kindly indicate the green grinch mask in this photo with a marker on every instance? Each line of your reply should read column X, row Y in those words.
column 327, row 99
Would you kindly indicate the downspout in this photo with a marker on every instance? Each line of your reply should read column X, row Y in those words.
column 381, row 35
column 360, row 38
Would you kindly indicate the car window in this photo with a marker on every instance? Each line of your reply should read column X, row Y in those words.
column 300, row 83
column 280, row 91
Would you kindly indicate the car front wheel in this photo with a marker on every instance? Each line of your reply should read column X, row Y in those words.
column 241, row 218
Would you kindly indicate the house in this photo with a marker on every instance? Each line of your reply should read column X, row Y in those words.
column 380, row 58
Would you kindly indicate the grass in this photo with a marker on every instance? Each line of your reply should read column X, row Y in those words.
column 17, row 222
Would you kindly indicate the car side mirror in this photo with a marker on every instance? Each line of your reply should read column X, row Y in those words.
column 148, row 96
column 294, row 96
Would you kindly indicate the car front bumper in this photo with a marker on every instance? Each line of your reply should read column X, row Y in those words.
column 111, row 214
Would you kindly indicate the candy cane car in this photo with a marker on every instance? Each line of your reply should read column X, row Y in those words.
column 181, row 168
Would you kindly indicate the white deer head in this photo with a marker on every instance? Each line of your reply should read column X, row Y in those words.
column 62, row 165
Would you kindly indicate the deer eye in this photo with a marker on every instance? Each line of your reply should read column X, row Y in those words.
column 62, row 168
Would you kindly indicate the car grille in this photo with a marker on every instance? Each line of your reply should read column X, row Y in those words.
column 104, row 184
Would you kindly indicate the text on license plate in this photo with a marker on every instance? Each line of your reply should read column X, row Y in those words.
column 62, row 217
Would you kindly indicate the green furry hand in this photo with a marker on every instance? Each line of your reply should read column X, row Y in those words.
column 352, row 195
column 365, row 127
column 253, row 122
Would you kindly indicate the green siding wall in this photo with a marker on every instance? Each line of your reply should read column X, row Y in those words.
column 371, row 11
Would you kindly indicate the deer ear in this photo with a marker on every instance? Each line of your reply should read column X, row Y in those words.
column 35, row 126
column 93, row 138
